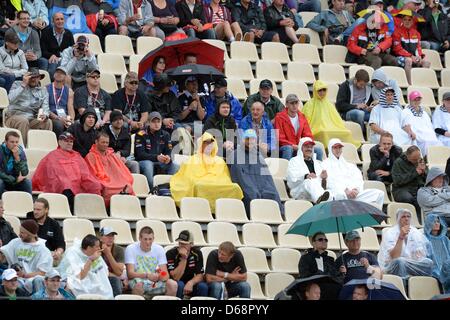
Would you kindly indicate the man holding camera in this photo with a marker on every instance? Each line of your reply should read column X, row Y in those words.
column 77, row 60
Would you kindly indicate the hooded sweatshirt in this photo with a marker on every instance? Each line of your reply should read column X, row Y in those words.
column 436, row 200
column 83, row 139
column 381, row 76
column 221, row 123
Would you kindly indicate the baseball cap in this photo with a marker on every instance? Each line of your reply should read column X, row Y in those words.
column 190, row 79
column 185, row 237
column 62, row 69
column 66, row 136
column 266, row 83
column 352, row 235
column 414, row 95
column 374, row 2
column 92, row 71
column 115, row 115
column 249, row 133
column 446, row 96
column 9, row 274
column 221, row 82
column 292, row 98
column 106, row 231
column 82, row 39
column 414, row 1
column 307, row 140
column 154, row 114
column 53, row 273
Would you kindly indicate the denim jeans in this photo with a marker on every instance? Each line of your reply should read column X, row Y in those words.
column 309, row 5
column 207, row 34
column 200, row 289
column 287, row 152
column 8, row 80
column 116, row 285
column 40, row 63
column 431, row 45
column 241, row 289
column 147, row 168
column 25, row 185
column 358, row 116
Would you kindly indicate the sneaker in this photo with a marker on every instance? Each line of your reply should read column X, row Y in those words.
column 238, row 37
column 303, row 38
column 247, row 37
column 324, row 197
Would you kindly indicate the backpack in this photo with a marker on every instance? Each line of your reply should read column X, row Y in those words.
column 162, row 190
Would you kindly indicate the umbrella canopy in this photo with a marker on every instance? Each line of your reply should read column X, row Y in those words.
column 203, row 73
column 378, row 290
column 174, row 52
column 379, row 15
column 337, row 216
column 329, row 288
column 410, row 13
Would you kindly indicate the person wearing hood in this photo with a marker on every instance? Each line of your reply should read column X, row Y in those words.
column 434, row 197
column 441, row 120
column 345, row 180
column 204, row 175
column 221, row 93
column 381, row 81
column 84, row 132
column 323, row 118
column 435, row 229
column 386, row 116
column 249, row 170
column 418, row 124
column 404, row 249
column 306, row 178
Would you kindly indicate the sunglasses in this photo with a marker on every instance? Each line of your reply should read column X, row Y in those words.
column 322, row 239
column 133, row 82
column 94, row 77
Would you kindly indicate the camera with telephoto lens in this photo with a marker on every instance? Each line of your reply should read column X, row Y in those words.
column 81, row 47
column 16, row 267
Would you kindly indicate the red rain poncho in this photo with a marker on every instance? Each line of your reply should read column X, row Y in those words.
column 110, row 171
column 61, row 170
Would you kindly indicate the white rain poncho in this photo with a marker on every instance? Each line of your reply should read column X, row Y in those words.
column 301, row 188
column 441, row 120
column 96, row 281
column 345, row 175
column 413, row 260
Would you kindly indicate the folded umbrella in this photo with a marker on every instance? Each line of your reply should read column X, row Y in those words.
column 378, row 290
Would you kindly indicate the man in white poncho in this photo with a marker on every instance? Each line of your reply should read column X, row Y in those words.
column 403, row 249
column 84, row 268
column 305, row 176
column 345, row 180
column 29, row 256
column 441, row 120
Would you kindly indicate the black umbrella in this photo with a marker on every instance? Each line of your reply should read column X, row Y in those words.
column 377, row 290
column 329, row 288
column 203, row 73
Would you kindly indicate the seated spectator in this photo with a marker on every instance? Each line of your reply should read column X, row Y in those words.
column 435, row 30
column 100, row 19
column 6, row 230
column 78, row 60
column 404, row 249
column 219, row 93
column 272, row 104
column 225, row 267
column 345, row 180
column 435, row 230
column 60, row 102
column 408, row 174
column 258, row 120
column 120, row 141
column 192, row 105
column 224, row 26
column 374, row 5
column 54, row 39
column 331, row 23
column 136, row 18
column 28, row 105
column 360, row 292
column 312, row 292
column 76, row 21
column 38, row 13
column 193, row 21
column 114, row 256
column 49, row 229
column 83, row 132
column 387, row 116
column 52, row 290
column 358, row 264
column 441, row 120
column 406, row 45
column 223, row 123
column 280, row 19
column 13, row 165
column 10, row 285
column 84, row 268
column 379, row 82
column 382, row 157
column 251, row 20
column 204, row 175
column 132, row 102
column 165, row 17
column 13, row 64
column 29, row 41
column 109, row 170
column 147, row 267
column 323, row 118
column 306, row 178
column 153, row 148
column 418, row 124
column 411, row 5
column 249, row 170
column 434, row 196
column 369, row 42
column 28, row 256
column 70, row 177
column 185, row 265
column 354, row 99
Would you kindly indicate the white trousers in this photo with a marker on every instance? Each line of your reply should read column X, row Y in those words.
column 314, row 188
column 372, row 196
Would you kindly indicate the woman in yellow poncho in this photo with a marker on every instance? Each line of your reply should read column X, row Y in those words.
column 204, row 175
column 324, row 119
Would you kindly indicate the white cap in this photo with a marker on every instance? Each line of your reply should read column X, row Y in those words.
column 9, row 274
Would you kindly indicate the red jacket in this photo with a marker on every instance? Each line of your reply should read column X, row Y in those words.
column 359, row 40
column 286, row 133
column 406, row 42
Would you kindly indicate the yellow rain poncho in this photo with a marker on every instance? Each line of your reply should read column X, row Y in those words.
column 324, row 120
column 204, row 176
